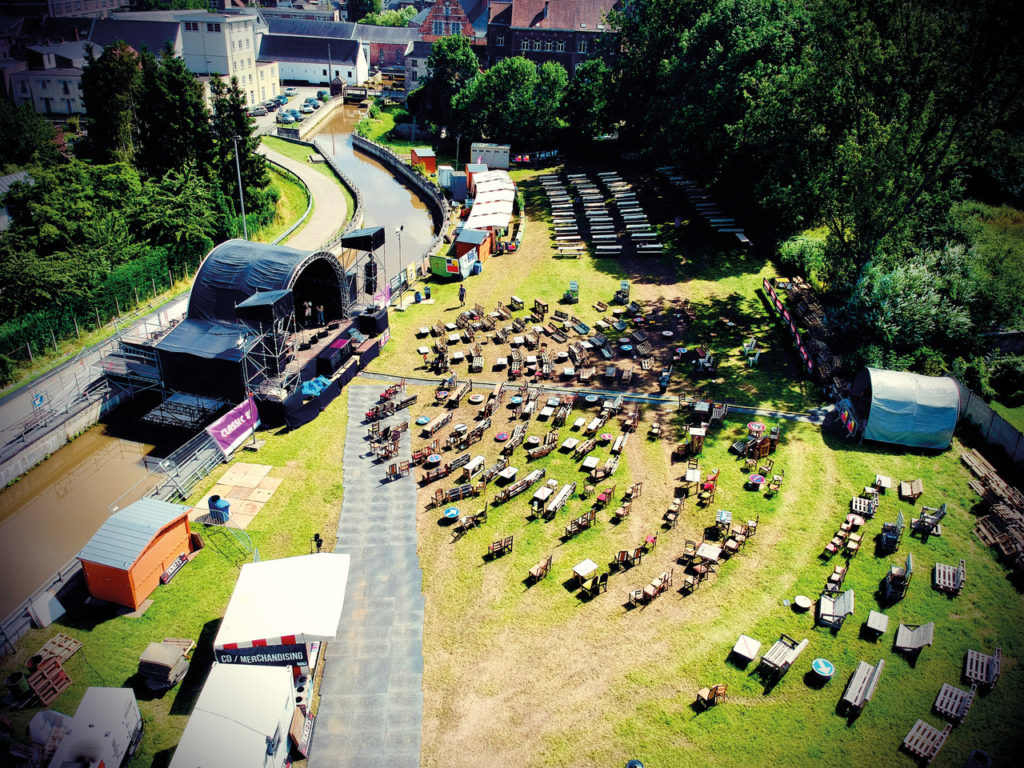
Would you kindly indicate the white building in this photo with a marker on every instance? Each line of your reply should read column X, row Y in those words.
column 310, row 59
column 228, row 44
column 52, row 82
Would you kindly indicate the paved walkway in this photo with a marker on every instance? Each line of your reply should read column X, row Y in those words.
column 329, row 206
column 371, row 710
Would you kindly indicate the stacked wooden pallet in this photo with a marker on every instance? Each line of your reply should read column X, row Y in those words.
column 1003, row 526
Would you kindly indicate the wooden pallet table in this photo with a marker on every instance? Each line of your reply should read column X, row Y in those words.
column 49, row 680
column 61, row 647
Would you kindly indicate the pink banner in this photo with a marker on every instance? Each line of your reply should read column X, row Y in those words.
column 234, row 426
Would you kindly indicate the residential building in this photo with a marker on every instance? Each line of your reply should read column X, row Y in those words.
column 83, row 8
column 566, row 31
column 142, row 35
column 52, row 80
column 382, row 46
column 456, row 17
column 309, row 60
column 416, row 56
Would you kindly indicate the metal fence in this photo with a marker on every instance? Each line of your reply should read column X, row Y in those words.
column 994, row 429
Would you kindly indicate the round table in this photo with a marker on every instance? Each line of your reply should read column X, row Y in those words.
column 533, row 440
column 501, row 437
column 802, row 602
column 756, row 481
column 460, row 428
column 855, row 520
column 606, row 436
column 755, row 427
column 823, row 668
column 591, row 399
column 562, row 356
column 423, row 420
column 515, row 400
column 476, row 399
column 627, row 348
column 434, row 458
column 452, row 513
column 441, row 394
column 667, row 334
column 681, row 350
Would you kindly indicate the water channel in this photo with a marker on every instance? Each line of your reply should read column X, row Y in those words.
column 53, row 510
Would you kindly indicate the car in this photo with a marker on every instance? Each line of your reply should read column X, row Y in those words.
column 272, row 105
column 297, row 116
column 291, row 91
column 323, row 95
column 284, row 118
column 281, row 99
column 306, row 109
column 258, row 111
column 313, row 103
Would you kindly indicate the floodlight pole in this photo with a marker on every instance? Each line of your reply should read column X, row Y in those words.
column 241, row 196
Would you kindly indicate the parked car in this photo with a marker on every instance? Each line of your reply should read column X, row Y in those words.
column 258, row 111
column 273, row 105
column 323, row 95
column 284, row 118
column 281, row 99
column 291, row 91
column 306, row 109
column 297, row 116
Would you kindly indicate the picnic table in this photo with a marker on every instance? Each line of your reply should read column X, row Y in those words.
column 569, row 443
column 584, row 570
column 547, row 411
column 693, row 475
column 878, row 622
column 590, row 463
column 508, row 473
column 543, row 493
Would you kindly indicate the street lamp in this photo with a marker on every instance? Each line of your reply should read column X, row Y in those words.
column 241, row 197
column 398, row 234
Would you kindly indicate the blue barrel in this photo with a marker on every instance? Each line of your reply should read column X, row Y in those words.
column 220, row 509
column 426, row 291
column 417, row 297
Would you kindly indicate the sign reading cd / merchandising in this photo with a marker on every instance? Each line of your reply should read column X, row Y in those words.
column 267, row 655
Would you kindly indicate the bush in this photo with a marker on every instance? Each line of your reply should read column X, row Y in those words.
column 1007, row 379
column 364, row 127
column 6, row 370
column 802, row 254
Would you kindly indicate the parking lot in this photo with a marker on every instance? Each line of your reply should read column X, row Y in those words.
column 266, row 123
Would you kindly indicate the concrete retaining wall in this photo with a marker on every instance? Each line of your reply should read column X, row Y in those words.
column 41, row 447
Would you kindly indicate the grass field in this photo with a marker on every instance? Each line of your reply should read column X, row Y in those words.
column 290, row 206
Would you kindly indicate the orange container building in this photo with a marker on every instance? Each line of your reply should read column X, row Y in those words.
column 426, row 156
column 125, row 558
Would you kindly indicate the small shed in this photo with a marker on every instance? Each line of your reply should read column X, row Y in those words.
column 460, row 187
column 242, row 718
column 906, row 408
column 425, row 156
column 468, row 239
column 444, row 176
column 125, row 558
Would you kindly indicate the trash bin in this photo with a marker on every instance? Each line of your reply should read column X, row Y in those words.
column 17, row 683
column 417, row 298
column 477, row 268
column 426, row 291
column 220, row 510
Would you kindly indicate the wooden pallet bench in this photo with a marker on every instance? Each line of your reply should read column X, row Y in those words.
column 926, row 740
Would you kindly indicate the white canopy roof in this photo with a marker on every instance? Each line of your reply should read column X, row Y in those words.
column 494, row 194
column 908, row 408
column 496, row 220
column 238, row 709
column 493, row 177
column 300, row 596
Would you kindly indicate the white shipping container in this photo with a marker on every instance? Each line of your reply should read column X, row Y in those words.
column 444, row 176
column 492, row 155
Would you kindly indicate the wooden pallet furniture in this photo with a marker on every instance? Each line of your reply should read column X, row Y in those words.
column 833, row 610
column 49, row 680
column 862, row 685
column 60, row 646
column 914, row 637
column 982, row 669
column 950, row 579
column 925, row 740
column 783, row 653
column 954, row 703
column 911, row 490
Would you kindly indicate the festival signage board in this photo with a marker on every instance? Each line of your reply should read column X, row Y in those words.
column 231, row 429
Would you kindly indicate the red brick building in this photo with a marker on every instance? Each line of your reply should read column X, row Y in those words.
column 566, row 31
column 456, row 17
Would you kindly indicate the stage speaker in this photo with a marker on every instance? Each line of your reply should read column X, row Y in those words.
column 373, row 323
column 370, row 278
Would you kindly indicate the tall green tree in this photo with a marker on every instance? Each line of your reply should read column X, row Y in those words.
column 27, row 137
column 173, row 121
column 110, row 89
column 588, row 100
column 450, row 67
column 233, row 127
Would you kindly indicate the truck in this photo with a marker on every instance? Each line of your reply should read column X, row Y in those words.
column 494, row 156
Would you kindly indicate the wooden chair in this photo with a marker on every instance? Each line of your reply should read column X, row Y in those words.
column 862, row 685
column 403, row 468
column 593, row 587
column 911, row 490
column 709, row 696
column 690, row 582
column 621, row 559
column 635, row 597
column 767, row 467
column 689, row 552
column 541, row 569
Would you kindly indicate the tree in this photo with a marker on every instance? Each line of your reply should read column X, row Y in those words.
column 28, row 137
column 512, row 101
column 588, row 99
column 450, row 67
column 173, row 121
column 110, row 90
column 399, row 18
column 357, row 9
column 230, row 121
column 180, row 212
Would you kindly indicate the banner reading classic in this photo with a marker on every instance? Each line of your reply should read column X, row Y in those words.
column 234, row 426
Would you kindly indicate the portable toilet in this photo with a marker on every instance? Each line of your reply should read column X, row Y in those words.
column 444, row 176
column 459, row 186
column 426, row 156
